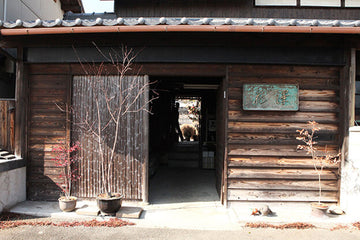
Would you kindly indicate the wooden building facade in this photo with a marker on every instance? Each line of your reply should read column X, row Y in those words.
column 257, row 159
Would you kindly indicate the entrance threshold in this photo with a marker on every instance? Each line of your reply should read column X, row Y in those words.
column 183, row 185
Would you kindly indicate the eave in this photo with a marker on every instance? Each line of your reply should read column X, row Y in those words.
column 99, row 25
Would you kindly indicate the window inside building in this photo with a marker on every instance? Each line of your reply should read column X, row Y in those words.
column 7, row 78
column 357, row 103
column 321, row 3
column 352, row 3
column 275, row 3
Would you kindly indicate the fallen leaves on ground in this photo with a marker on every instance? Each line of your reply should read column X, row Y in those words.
column 11, row 220
column 297, row 225
column 339, row 227
column 357, row 225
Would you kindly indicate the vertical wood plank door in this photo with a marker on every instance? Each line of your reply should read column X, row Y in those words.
column 128, row 171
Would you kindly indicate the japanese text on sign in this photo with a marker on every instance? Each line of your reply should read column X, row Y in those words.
column 271, row 97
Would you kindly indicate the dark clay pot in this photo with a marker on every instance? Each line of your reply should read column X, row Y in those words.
column 109, row 205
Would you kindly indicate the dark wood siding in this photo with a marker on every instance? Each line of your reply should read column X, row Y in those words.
column 263, row 161
column 46, row 128
column 226, row 8
column 131, row 151
column 7, row 125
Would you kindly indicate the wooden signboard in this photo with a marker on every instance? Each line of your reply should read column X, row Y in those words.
column 271, row 97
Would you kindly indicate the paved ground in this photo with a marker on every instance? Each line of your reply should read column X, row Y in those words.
column 133, row 232
column 183, row 212
column 196, row 220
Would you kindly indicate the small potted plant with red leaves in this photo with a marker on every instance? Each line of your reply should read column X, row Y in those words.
column 66, row 156
column 320, row 158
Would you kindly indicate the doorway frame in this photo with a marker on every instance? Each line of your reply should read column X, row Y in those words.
column 198, row 70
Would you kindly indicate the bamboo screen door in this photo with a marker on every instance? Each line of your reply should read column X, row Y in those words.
column 129, row 172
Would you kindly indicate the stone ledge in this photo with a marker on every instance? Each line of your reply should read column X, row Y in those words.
column 7, row 165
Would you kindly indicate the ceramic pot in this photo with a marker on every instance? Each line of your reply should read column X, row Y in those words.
column 319, row 209
column 67, row 205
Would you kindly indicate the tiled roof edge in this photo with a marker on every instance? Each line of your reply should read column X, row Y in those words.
column 179, row 21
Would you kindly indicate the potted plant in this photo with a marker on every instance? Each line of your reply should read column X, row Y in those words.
column 319, row 157
column 66, row 157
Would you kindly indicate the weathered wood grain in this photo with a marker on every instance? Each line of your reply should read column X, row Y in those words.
column 318, row 106
column 318, row 95
column 304, row 106
column 262, row 145
column 263, row 138
column 47, row 171
column 46, row 128
column 280, row 195
column 275, row 150
column 281, row 173
column 276, row 127
column 276, row 162
column 7, row 125
column 41, row 82
column 306, row 185
column 278, row 117
column 45, row 132
column 48, row 69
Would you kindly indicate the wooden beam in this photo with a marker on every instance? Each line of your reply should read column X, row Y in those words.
column 352, row 87
column 346, row 106
column 145, row 163
column 20, row 106
column 226, row 117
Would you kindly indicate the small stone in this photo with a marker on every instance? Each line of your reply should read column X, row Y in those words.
column 336, row 210
column 263, row 210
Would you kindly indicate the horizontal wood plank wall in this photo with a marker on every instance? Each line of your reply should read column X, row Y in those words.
column 263, row 161
column 7, row 125
column 46, row 129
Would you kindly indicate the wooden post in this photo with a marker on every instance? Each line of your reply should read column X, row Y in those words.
column 352, row 87
column 20, row 106
column 347, row 103
column 226, row 112
column 145, row 164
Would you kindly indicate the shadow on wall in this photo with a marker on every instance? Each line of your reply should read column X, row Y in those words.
column 350, row 175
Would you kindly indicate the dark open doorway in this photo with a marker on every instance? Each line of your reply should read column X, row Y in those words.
column 182, row 165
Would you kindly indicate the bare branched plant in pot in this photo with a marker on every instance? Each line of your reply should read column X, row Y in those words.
column 320, row 158
column 66, row 158
column 115, row 91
